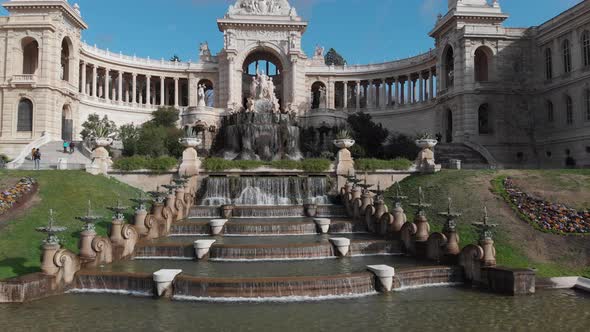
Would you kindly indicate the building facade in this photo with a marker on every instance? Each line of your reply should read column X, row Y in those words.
column 517, row 96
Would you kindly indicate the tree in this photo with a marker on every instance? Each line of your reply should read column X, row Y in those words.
column 129, row 135
column 368, row 135
column 401, row 146
column 334, row 58
column 165, row 117
column 175, row 58
column 96, row 127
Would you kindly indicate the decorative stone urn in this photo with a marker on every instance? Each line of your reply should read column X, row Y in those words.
column 101, row 161
column 425, row 162
column 190, row 161
column 216, row 226
column 323, row 224
column 385, row 275
column 344, row 161
column 342, row 245
column 202, row 248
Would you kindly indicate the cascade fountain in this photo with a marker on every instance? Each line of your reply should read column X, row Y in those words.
column 261, row 131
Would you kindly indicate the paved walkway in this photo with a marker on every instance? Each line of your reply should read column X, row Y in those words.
column 53, row 151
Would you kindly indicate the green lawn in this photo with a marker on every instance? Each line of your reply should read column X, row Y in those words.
column 67, row 193
column 468, row 191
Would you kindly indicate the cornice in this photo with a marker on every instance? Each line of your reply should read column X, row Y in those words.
column 60, row 5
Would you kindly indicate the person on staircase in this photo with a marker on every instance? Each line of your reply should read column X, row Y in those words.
column 72, row 147
column 66, row 146
column 37, row 159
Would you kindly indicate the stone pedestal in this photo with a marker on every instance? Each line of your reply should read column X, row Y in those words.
column 489, row 252
column 86, row 238
column 47, row 264
column 422, row 228
column 227, row 211
column 344, row 161
column 452, row 246
column 139, row 221
column 190, row 161
column 116, row 232
column 425, row 161
column 399, row 219
column 101, row 161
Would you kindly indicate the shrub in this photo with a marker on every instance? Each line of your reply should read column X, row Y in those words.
column 140, row 162
column 4, row 158
column 307, row 165
column 368, row 135
column 401, row 146
column 316, row 165
column 398, row 164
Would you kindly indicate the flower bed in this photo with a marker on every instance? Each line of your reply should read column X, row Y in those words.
column 14, row 195
column 552, row 217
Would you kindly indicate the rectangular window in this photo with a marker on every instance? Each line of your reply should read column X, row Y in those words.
column 567, row 57
column 587, row 105
column 569, row 108
column 586, row 48
column 548, row 64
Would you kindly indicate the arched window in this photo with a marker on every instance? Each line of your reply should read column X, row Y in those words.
column 587, row 103
column 24, row 121
column 65, row 60
column 567, row 56
column 30, row 49
column 481, row 65
column 569, row 110
column 548, row 64
column 586, row 48
column 483, row 113
column 550, row 111
column 449, row 67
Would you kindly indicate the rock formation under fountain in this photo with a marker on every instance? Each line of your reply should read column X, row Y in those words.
column 261, row 131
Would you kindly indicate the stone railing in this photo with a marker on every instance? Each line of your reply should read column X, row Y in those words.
column 137, row 61
column 423, row 58
column 23, row 79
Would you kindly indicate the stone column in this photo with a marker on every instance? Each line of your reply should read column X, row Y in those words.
column 162, row 90
column 148, row 90
column 396, row 83
column 83, row 78
column 134, row 89
column 176, row 103
column 94, row 81
column 345, row 103
column 120, row 88
column 402, row 91
column 331, row 94
column 383, row 93
column 369, row 94
column 421, row 82
column 390, row 94
column 107, row 78
column 431, row 86
column 410, row 96
column 358, row 95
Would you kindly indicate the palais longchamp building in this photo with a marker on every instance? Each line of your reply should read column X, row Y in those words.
column 514, row 96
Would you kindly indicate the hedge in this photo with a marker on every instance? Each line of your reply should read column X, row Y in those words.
column 398, row 164
column 140, row 162
column 307, row 165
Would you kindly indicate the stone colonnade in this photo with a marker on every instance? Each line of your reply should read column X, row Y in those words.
column 132, row 88
column 383, row 92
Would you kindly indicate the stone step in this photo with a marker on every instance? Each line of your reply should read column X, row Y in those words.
column 52, row 152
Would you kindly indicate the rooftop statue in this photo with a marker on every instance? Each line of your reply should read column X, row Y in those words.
column 261, row 7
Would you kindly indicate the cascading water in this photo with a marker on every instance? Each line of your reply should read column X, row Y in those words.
column 266, row 191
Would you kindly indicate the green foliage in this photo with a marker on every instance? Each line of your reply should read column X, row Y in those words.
column 165, row 117
column 4, row 158
column 399, row 164
column 307, row 165
column 401, row 146
column 343, row 134
column 140, row 162
column 96, row 127
column 368, row 135
column 334, row 58
column 67, row 193
column 158, row 137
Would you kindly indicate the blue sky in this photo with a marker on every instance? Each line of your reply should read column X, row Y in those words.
column 363, row 31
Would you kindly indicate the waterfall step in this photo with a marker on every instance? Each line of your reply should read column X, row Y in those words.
column 269, row 226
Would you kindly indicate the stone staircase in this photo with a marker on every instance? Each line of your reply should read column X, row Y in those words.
column 52, row 152
column 470, row 159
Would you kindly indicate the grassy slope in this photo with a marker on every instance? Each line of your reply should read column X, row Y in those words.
column 467, row 188
column 67, row 193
